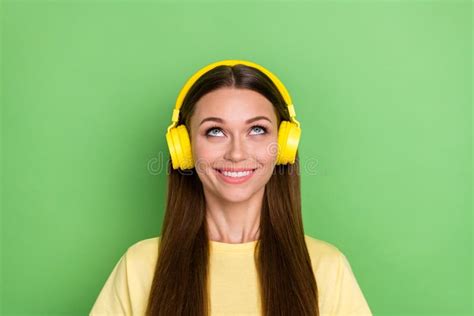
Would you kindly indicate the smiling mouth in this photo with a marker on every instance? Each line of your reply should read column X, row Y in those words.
column 236, row 174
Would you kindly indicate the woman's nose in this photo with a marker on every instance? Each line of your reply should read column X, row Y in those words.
column 236, row 150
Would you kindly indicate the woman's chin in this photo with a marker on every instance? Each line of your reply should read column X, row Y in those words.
column 236, row 195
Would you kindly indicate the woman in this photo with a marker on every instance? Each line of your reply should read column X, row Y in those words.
column 232, row 241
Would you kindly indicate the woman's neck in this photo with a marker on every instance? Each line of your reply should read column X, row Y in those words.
column 234, row 222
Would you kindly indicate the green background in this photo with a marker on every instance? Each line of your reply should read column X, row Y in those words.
column 382, row 90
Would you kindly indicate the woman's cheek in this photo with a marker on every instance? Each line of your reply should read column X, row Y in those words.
column 206, row 155
column 269, row 150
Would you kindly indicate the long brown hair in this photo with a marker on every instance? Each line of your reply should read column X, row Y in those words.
column 180, row 285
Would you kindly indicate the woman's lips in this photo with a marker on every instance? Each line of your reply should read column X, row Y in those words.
column 235, row 180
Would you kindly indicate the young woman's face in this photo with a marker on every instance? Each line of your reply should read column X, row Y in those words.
column 234, row 129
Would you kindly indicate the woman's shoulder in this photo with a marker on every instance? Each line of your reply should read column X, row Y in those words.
column 144, row 250
column 145, row 243
column 322, row 252
column 321, row 246
column 338, row 288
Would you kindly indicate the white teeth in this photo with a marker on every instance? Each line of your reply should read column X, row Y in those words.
column 236, row 174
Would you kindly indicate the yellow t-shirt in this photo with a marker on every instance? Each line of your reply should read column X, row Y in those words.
column 233, row 280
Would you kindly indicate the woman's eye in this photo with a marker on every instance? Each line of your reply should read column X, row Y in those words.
column 261, row 128
column 209, row 131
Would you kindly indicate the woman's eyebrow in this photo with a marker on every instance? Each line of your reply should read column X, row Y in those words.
column 218, row 119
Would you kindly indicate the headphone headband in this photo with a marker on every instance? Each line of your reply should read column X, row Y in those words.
column 231, row 62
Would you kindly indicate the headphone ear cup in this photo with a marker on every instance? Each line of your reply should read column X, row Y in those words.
column 185, row 142
column 282, row 136
column 289, row 135
column 171, row 147
column 180, row 148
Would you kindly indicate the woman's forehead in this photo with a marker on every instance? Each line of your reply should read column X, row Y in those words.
column 234, row 104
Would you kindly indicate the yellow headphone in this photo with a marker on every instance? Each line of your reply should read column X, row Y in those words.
column 179, row 144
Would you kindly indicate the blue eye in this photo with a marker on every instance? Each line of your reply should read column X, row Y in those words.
column 213, row 128
column 260, row 127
